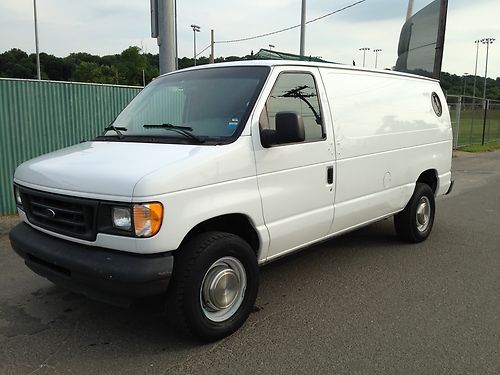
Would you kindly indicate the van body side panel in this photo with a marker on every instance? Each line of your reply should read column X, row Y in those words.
column 387, row 134
column 382, row 196
column 444, row 183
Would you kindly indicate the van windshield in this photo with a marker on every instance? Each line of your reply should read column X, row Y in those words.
column 203, row 106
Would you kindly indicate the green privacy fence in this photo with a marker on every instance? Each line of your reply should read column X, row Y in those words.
column 37, row 117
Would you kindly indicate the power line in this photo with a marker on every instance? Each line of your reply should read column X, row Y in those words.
column 291, row 27
column 281, row 30
column 203, row 50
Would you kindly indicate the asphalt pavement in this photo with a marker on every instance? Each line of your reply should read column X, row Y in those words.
column 360, row 303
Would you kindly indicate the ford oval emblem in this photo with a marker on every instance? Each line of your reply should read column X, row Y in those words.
column 50, row 213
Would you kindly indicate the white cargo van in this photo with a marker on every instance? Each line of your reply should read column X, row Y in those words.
column 211, row 171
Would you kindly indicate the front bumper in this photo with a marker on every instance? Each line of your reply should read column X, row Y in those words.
column 107, row 275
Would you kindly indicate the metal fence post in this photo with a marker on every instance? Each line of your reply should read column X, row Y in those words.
column 457, row 127
column 484, row 119
column 496, row 117
column 473, row 117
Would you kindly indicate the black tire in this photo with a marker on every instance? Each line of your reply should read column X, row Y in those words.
column 413, row 224
column 185, row 301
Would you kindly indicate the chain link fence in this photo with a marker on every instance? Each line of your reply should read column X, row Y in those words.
column 474, row 120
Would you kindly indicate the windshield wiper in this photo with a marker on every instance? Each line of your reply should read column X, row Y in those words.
column 184, row 130
column 169, row 126
column 117, row 129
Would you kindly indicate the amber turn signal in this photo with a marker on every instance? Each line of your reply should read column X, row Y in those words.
column 147, row 219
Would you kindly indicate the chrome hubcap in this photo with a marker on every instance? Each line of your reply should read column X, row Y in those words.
column 223, row 289
column 423, row 214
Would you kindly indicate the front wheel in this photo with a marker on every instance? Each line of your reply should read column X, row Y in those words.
column 214, row 285
column 414, row 223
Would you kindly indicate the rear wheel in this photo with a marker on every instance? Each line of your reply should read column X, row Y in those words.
column 214, row 285
column 414, row 223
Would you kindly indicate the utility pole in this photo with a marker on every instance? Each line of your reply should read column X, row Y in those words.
column 486, row 41
column 475, row 70
column 196, row 29
column 364, row 49
column 164, row 28
column 175, row 39
column 303, row 29
column 38, row 72
column 409, row 11
column 377, row 50
column 212, row 47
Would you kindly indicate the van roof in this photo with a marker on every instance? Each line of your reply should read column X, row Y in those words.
column 272, row 63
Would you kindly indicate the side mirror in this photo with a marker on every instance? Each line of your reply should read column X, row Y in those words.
column 268, row 137
column 289, row 129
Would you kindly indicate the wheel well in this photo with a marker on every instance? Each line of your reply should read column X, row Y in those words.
column 237, row 224
column 429, row 177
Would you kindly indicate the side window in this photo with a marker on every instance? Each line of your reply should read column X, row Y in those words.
column 295, row 92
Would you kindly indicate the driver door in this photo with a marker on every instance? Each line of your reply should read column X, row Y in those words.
column 296, row 180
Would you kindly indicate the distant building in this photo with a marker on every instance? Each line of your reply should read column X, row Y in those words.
column 267, row 54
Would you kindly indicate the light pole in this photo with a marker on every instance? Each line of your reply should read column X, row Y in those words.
column 475, row 70
column 38, row 73
column 271, row 46
column 303, row 29
column 364, row 49
column 164, row 29
column 196, row 29
column 212, row 47
column 486, row 41
column 409, row 10
column 377, row 50
column 465, row 82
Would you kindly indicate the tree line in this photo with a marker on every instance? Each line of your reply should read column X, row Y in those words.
column 132, row 67
column 454, row 84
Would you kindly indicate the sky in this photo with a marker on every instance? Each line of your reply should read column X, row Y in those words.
column 106, row 27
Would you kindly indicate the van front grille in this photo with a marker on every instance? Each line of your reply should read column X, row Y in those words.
column 74, row 217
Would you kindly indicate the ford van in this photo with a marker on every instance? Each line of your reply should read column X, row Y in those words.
column 212, row 171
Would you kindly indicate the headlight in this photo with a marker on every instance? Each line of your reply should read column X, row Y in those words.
column 17, row 195
column 122, row 219
column 147, row 219
column 143, row 220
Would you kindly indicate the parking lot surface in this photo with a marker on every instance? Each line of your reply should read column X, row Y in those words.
column 360, row 303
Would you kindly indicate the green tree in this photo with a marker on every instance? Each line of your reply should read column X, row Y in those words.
column 86, row 72
column 77, row 57
column 55, row 68
column 92, row 72
column 16, row 63
column 130, row 66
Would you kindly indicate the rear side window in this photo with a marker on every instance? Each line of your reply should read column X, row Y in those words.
column 295, row 92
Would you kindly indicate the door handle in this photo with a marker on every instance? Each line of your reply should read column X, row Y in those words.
column 329, row 175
